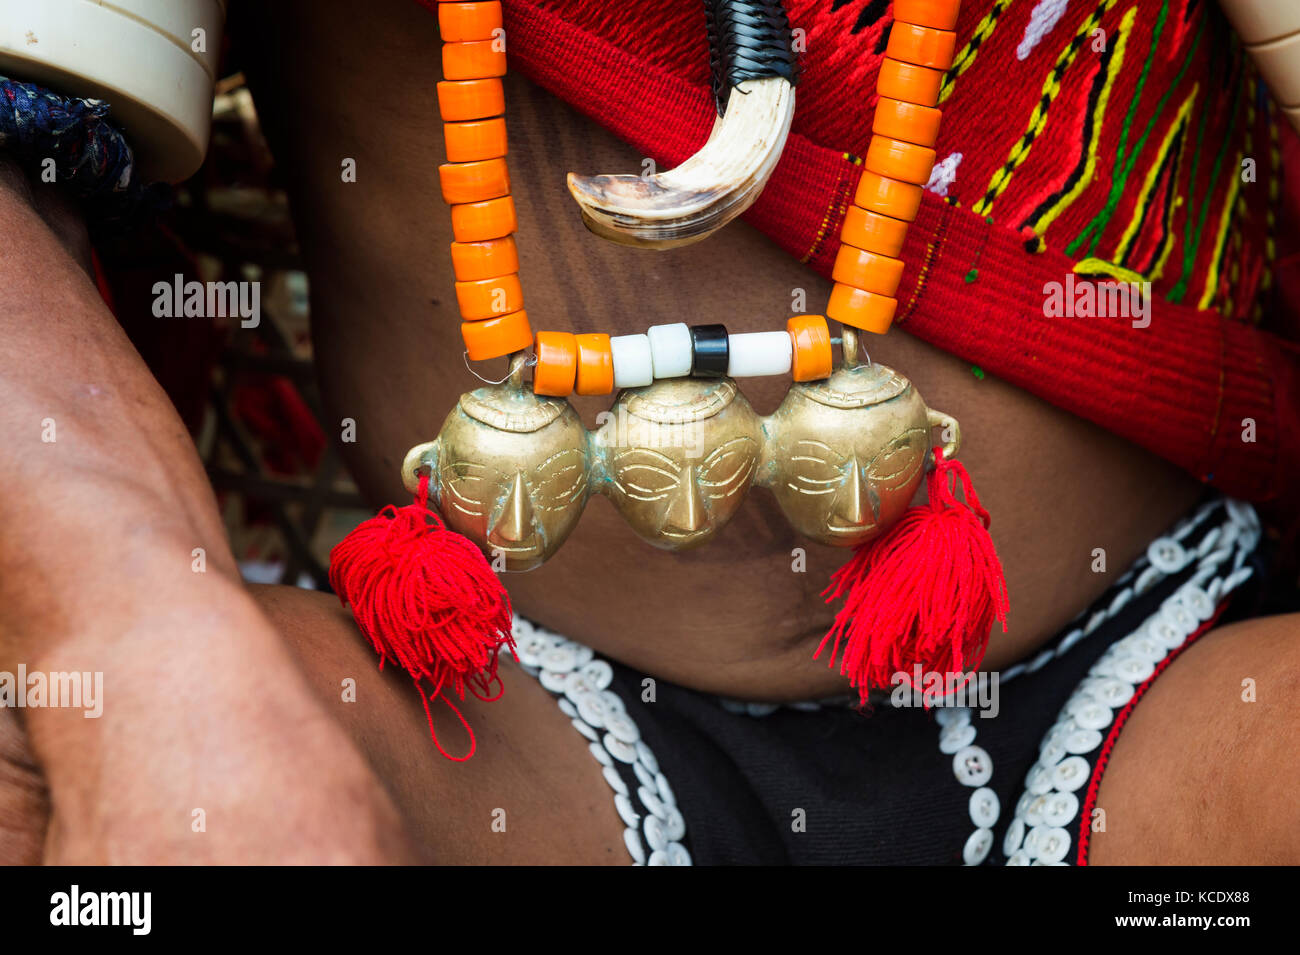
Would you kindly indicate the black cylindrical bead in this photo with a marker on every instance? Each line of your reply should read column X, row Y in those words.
column 709, row 351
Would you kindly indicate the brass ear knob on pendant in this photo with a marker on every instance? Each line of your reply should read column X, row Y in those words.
column 421, row 458
column 845, row 455
column 510, row 471
column 951, row 432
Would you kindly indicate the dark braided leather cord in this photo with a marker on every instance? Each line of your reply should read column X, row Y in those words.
column 748, row 39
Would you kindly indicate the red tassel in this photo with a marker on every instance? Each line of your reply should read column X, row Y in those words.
column 427, row 598
column 926, row 592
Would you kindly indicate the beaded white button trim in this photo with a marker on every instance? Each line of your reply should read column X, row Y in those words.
column 1050, row 801
column 1052, row 797
column 973, row 767
column 580, row 681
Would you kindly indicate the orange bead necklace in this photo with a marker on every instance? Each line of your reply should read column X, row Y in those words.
column 868, row 268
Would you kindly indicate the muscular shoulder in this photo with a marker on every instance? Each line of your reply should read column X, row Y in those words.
column 532, row 792
column 1207, row 768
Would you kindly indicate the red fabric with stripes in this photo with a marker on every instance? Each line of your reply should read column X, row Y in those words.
column 1181, row 387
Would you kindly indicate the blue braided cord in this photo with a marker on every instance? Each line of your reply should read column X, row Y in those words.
column 91, row 156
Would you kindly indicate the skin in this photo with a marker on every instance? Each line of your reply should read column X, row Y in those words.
column 1202, row 774
column 203, row 707
column 266, row 740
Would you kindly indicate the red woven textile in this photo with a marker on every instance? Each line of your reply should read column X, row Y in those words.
column 1106, row 139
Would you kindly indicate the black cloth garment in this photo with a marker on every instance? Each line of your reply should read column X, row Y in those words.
column 872, row 786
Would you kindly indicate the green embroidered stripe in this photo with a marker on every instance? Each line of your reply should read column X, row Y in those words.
column 1124, row 163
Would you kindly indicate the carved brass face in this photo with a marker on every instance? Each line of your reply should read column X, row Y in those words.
column 510, row 471
column 845, row 455
column 678, row 458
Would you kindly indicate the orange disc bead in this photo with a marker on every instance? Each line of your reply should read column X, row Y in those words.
column 474, row 181
column 921, row 45
column 460, row 100
column 867, row 270
column 556, row 370
column 889, row 197
column 911, row 84
column 476, row 140
column 475, row 60
column 939, row 14
column 895, row 159
column 871, row 232
column 595, row 365
column 811, row 338
column 469, row 21
column 906, row 121
column 490, row 219
column 861, row 309
column 488, row 298
column 497, row 336
column 471, row 261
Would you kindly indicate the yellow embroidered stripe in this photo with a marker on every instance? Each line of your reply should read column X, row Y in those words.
column 1094, row 124
column 1177, row 132
column 962, row 62
column 1051, row 87
column 1220, row 241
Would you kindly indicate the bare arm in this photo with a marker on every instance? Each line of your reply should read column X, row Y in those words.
column 202, row 707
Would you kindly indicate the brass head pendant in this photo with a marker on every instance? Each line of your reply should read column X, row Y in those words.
column 844, row 457
column 509, row 470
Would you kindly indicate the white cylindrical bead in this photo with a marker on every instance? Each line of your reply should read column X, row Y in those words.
column 633, row 365
column 754, row 354
column 670, row 349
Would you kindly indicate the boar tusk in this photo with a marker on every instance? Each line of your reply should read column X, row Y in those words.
column 718, row 183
